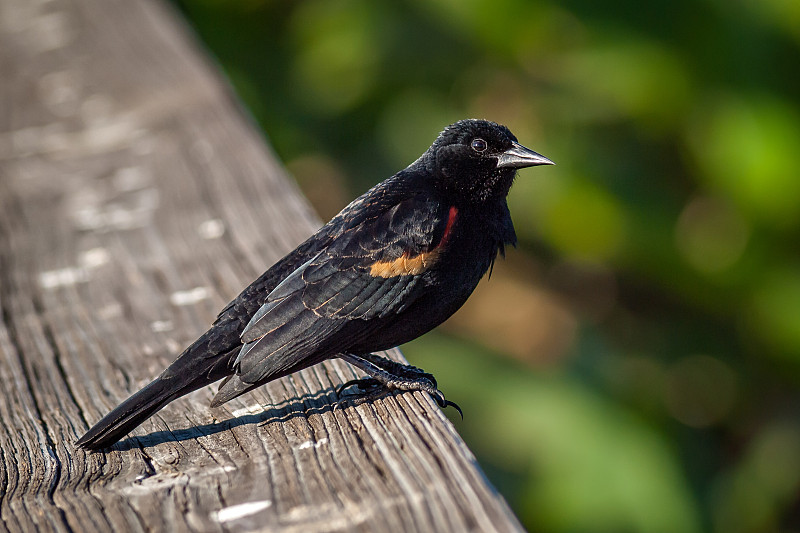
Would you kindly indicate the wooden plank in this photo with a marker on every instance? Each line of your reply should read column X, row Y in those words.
column 135, row 201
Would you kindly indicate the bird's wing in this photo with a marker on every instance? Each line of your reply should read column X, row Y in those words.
column 373, row 267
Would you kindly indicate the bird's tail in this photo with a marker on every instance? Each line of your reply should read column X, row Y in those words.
column 194, row 369
column 129, row 414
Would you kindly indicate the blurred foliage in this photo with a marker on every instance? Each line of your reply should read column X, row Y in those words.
column 634, row 365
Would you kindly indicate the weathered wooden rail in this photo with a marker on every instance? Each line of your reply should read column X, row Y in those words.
column 135, row 201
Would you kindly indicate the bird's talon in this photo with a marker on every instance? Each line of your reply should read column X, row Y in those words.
column 443, row 402
column 339, row 404
column 339, row 389
column 455, row 406
column 364, row 384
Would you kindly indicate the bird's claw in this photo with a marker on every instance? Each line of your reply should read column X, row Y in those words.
column 443, row 402
column 370, row 387
column 365, row 384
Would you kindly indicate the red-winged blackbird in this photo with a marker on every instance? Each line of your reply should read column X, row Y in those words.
column 394, row 264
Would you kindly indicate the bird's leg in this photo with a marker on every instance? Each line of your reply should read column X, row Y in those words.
column 387, row 375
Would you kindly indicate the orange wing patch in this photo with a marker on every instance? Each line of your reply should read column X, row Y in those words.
column 412, row 266
column 404, row 265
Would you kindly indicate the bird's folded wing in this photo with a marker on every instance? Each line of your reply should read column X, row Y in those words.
column 370, row 270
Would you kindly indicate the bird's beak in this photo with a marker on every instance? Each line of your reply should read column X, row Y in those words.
column 520, row 157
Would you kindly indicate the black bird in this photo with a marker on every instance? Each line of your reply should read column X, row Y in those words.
column 392, row 265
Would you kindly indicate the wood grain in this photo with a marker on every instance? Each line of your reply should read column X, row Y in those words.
column 136, row 199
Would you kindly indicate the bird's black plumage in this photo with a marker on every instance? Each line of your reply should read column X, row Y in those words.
column 392, row 265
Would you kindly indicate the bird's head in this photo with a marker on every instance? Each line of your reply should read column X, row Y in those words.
column 478, row 159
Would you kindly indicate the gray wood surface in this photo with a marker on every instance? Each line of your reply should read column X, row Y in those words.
column 135, row 200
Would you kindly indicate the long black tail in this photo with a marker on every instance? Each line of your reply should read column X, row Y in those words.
column 194, row 369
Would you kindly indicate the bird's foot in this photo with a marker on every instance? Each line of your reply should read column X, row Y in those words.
column 409, row 379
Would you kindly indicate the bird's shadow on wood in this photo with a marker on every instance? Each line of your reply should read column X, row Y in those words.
column 306, row 405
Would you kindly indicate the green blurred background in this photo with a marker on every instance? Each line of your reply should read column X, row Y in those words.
column 634, row 365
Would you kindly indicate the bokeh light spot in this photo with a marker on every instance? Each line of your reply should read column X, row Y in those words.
column 711, row 235
column 700, row 390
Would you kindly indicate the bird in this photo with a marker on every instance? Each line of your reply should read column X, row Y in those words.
column 392, row 265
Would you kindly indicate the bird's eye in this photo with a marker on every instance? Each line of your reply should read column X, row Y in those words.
column 479, row 145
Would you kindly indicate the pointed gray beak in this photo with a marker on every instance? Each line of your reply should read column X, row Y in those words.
column 520, row 157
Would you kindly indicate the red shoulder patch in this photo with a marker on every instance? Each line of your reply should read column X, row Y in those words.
column 448, row 229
